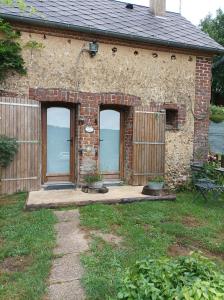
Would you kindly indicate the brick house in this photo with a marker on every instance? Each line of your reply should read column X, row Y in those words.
column 115, row 87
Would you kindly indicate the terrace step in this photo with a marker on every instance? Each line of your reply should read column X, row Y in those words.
column 59, row 186
column 113, row 183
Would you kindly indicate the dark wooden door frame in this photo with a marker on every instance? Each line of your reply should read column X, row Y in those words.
column 72, row 176
column 121, row 110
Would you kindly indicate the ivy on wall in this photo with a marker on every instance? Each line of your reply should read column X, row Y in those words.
column 11, row 59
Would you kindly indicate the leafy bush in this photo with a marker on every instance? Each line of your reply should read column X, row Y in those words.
column 217, row 114
column 208, row 170
column 157, row 179
column 183, row 278
column 93, row 177
column 10, row 52
column 8, row 149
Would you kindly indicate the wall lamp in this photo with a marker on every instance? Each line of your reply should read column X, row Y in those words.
column 81, row 120
column 93, row 48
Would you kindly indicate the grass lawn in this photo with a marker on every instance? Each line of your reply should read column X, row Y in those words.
column 148, row 229
column 26, row 243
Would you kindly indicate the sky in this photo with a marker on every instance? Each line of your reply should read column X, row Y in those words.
column 193, row 10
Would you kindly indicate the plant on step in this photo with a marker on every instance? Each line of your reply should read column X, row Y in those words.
column 92, row 178
column 10, row 51
column 157, row 179
column 184, row 278
column 8, row 149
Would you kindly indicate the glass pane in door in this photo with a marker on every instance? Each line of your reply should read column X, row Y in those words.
column 58, row 140
column 109, row 141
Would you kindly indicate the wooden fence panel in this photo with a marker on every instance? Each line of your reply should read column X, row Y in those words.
column 20, row 118
column 148, row 145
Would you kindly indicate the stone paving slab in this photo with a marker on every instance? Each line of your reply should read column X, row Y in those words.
column 68, row 215
column 67, row 271
column 72, row 242
column 66, row 291
column 120, row 194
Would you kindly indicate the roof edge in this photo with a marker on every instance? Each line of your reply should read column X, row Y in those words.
column 83, row 29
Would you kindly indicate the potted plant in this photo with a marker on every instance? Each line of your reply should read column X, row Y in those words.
column 94, row 180
column 157, row 183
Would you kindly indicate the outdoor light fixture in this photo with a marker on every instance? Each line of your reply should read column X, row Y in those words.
column 81, row 120
column 93, row 48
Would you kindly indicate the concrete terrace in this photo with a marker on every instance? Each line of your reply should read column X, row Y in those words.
column 65, row 198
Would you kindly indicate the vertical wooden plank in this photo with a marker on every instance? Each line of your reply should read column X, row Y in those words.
column 148, row 145
column 20, row 120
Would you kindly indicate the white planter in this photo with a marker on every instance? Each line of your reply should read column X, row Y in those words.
column 97, row 185
column 156, row 186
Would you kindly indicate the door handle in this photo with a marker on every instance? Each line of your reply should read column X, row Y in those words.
column 101, row 140
column 71, row 140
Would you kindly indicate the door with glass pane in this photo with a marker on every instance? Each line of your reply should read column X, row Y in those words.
column 110, row 143
column 58, row 143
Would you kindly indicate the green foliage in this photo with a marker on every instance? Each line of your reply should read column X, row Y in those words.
column 184, row 278
column 214, row 27
column 157, row 179
column 8, row 149
column 7, row 30
column 148, row 229
column 34, row 45
column 208, row 170
column 21, row 4
column 10, row 52
column 217, row 114
column 93, row 177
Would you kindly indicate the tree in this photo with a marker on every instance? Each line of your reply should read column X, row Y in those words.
column 20, row 3
column 214, row 27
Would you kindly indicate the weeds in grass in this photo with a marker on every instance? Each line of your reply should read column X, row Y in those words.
column 147, row 229
column 28, row 240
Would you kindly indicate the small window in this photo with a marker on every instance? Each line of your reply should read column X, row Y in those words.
column 171, row 119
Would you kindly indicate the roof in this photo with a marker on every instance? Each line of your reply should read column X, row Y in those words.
column 112, row 18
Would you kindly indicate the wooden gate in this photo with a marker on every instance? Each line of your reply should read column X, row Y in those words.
column 148, row 145
column 20, row 119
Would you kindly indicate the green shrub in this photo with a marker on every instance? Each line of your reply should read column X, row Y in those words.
column 209, row 171
column 217, row 114
column 10, row 52
column 157, row 179
column 92, row 178
column 8, row 149
column 183, row 278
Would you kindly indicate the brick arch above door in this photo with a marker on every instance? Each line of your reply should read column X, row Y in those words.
column 62, row 95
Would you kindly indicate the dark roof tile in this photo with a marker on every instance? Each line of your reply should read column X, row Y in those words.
column 112, row 17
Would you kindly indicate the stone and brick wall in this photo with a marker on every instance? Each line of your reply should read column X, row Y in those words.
column 61, row 68
column 88, row 113
column 179, row 108
column 201, row 109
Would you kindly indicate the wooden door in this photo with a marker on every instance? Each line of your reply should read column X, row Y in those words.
column 58, row 143
column 20, row 119
column 148, row 145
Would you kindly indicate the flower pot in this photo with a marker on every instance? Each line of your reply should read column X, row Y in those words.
column 97, row 185
column 156, row 186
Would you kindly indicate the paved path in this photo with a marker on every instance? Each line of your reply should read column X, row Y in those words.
column 66, row 270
